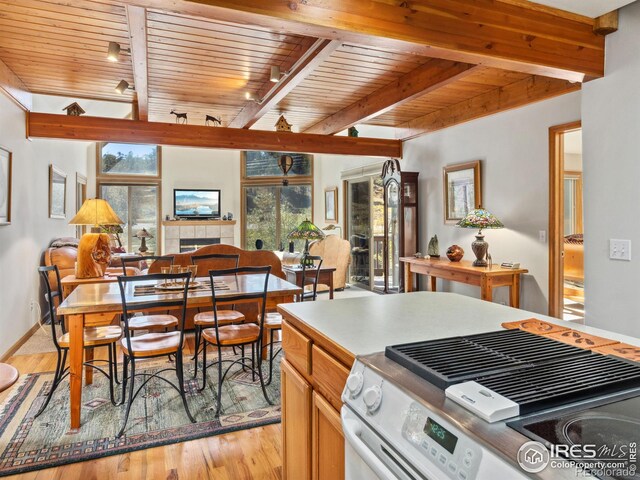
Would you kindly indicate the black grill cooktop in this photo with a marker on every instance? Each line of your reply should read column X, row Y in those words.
column 534, row 371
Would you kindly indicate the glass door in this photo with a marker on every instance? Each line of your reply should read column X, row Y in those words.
column 359, row 230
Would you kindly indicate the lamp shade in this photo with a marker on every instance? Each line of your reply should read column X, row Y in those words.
column 480, row 218
column 96, row 211
column 143, row 234
column 306, row 231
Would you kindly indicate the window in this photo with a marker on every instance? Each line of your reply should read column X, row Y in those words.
column 129, row 177
column 272, row 210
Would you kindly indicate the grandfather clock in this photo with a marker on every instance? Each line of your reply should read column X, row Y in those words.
column 401, row 213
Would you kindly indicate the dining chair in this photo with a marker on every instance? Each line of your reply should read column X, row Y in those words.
column 154, row 344
column 273, row 320
column 150, row 321
column 202, row 320
column 156, row 261
column 239, row 335
column 105, row 336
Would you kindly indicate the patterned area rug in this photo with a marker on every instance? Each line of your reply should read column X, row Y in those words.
column 157, row 417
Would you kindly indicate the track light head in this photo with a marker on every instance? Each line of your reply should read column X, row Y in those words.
column 114, row 51
column 275, row 74
column 122, row 87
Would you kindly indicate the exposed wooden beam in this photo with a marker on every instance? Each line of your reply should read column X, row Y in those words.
column 487, row 32
column 137, row 20
column 270, row 95
column 606, row 24
column 45, row 125
column 531, row 89
column 17, row 91
column 426, row 78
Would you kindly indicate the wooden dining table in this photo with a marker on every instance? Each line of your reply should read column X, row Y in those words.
column 95, row 304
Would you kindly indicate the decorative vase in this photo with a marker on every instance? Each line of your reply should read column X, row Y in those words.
column 455, row 253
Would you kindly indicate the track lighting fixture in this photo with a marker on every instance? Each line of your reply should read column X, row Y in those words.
column 114, row 50
column 123, row 86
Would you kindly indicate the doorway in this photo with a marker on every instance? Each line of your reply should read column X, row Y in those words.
column 566, row 234
column 365, row 231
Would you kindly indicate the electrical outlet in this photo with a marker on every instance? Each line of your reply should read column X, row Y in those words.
column 619, row 249
column 542, row 235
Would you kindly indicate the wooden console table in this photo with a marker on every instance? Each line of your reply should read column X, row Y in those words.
column 465, row 272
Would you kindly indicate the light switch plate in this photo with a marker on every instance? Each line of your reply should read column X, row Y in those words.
column 619, row 249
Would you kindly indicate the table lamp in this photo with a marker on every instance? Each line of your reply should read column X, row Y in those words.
column 480, row 218
column 94, row 252
column 307, row 231
column 143, row 235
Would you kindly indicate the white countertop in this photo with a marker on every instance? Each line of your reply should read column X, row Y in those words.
column 368, row 324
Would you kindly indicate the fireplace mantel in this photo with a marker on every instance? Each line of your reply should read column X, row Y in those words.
column 176, row 230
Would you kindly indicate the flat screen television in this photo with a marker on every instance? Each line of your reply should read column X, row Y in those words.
column 191, row 203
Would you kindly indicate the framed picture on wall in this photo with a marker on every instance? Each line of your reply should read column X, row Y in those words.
column 5, row 186
column 57, row 193
column 331, row 204
column 461, row 190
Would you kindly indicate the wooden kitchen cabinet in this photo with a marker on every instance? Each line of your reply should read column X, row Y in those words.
column 327, row 442
column 296, row 423
column 314, row 372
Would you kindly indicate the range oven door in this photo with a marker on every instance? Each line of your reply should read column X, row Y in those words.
column 369, row 457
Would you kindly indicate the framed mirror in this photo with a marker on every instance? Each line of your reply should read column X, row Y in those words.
column 462, row 191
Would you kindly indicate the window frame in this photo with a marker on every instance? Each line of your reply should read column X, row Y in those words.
column 133, row 181
column 270, row 181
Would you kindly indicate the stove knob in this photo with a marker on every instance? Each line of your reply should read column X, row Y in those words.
column 354, row 383
column 372, row 398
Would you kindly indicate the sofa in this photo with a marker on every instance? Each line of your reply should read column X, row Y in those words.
column 63, row 253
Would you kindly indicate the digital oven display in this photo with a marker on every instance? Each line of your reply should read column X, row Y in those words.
column 442, row 436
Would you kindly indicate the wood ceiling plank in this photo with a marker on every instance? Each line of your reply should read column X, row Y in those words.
column 14, row 87
column 523, row 92
column 518, row 38
column 306, row 61
column 44, row 125
column 137, row 20
column 431, row 76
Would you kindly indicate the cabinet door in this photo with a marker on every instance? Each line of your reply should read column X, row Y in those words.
column 327, row 443
column 296, row 424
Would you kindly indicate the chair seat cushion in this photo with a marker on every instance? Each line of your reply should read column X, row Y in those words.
column 94, row 336
column 151, row 344
column 233, row 334
column 273, row 321
column 225, row 317
column 145, row 322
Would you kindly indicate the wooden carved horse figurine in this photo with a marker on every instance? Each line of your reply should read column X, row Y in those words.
column 211, row 118
column 179, row 116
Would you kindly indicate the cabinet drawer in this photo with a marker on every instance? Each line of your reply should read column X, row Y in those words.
column 329, row 376
column 297, row 348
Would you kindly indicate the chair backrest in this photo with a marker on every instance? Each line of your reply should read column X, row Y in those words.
column 259, row 295
column 51, row 296
column 157, row 262
column 215, row 261
column 310, row 276
column 176, row 300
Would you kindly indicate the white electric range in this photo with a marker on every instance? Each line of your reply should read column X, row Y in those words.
column 399, row 423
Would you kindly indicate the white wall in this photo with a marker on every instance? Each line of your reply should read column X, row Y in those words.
column 611, row 141
column 202, row 168
column 23, row 242
column 514, row 149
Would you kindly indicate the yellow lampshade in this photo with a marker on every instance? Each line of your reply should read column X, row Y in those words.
column 96, row 211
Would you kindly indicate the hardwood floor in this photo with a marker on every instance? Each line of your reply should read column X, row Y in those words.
column 247, row 454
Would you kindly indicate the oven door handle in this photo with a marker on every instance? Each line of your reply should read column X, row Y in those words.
column 352, row 430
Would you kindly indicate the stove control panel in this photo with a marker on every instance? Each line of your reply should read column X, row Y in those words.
column 437, row 440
